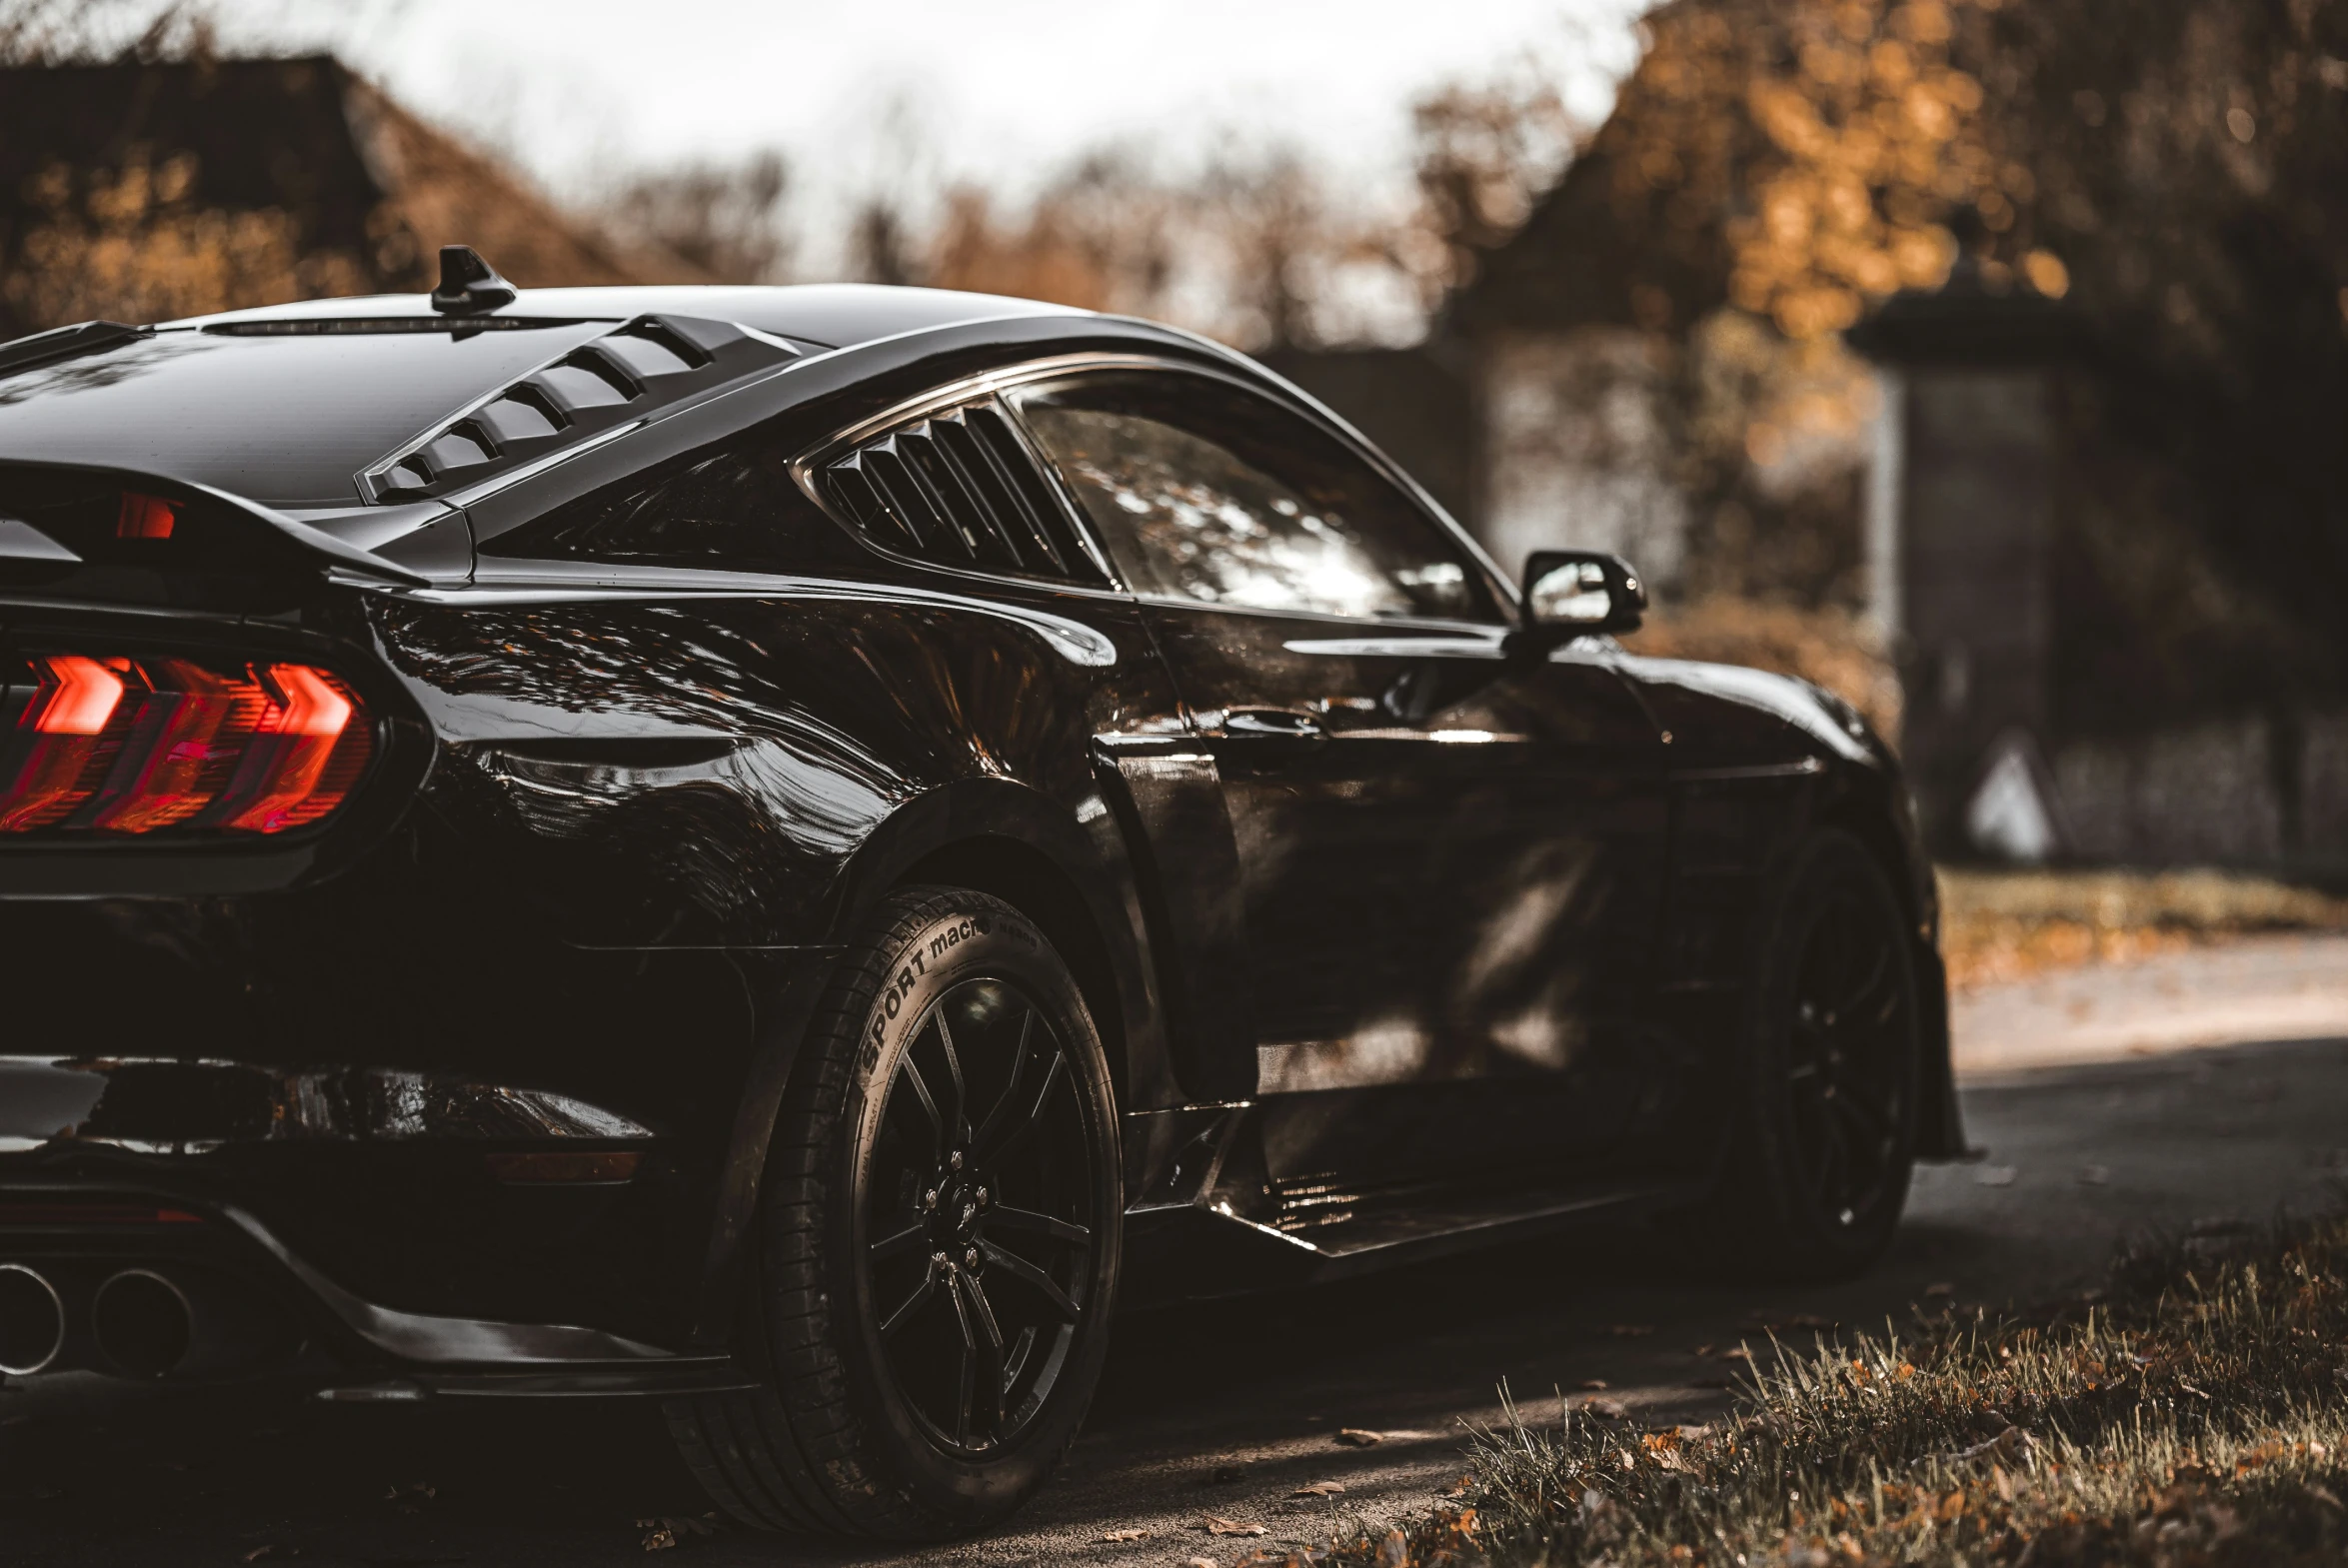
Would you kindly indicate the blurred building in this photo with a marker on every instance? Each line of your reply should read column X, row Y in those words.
column 145, row 191
column 1982, row 482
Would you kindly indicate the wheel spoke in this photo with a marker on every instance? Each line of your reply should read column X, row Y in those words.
column 1834, row 1160
column 909, row 1305
column 970, row 1364
column 990, row 1360
column 962, row 1118
column 1035, row 1279
column 1003, row 1217
column 1871, row 1002
column 1017, row 1134
column 904, row 1240
column 993, row 1126
column 929, row 1103
column 1861, row 1115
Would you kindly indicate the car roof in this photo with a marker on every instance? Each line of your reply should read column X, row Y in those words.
column 303, row 417
column 825, row 314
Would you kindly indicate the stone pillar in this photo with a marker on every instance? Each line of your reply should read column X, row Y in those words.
column 1960, row 545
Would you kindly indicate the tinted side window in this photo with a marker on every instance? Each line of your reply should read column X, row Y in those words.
column 737, row 509
column 1204, row 492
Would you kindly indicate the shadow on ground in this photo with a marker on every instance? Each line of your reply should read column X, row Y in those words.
column 1223, row 1408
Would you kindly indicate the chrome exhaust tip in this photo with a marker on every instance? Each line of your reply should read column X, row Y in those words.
column 142, row 1323
column 32, row 1320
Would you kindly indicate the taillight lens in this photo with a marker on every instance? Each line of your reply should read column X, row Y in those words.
column 134, row 745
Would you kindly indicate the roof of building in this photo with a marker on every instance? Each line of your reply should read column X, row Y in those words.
column 146, row 190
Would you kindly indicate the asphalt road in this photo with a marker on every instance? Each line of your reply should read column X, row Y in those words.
column 2102, row 1103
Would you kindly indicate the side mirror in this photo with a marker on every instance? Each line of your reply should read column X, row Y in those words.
column 1570, row 592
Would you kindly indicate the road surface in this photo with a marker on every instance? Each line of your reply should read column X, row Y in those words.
column 2190, row 1088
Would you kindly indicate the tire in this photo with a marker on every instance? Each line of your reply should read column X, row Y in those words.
column 937, row 1253
column 1823, row 1139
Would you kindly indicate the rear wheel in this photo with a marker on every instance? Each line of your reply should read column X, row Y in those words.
column 1825, row 1131
column 938, row 1239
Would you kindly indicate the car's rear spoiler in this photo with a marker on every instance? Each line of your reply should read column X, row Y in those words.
column 365, row 553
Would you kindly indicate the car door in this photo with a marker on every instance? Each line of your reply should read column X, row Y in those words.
column 1447, row 854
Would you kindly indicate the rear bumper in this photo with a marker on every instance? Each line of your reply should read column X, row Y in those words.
column 254, row 1308
column 371, row 1078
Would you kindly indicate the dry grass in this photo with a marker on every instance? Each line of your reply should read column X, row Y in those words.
column 2002, row 926
column 2194, row 1413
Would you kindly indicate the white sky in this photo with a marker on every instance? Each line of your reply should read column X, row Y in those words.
column 998, row 90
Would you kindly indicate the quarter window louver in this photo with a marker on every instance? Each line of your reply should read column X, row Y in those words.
column 628, row 370
column 958, row 489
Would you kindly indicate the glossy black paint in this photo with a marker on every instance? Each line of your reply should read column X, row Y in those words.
column 1396, row 932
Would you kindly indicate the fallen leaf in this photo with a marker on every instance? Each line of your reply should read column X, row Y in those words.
column 1631, row 1330
column 1594, row 1386
column 1217, row 1525
column 1318, row 1489
column 412, row 1496
column 1995, row 1175
column 1462, row 1487
column 1361, row 1437
column 1202, row 1562
column 667, row 1530
column 1124, row 1535
column 1393, row 1551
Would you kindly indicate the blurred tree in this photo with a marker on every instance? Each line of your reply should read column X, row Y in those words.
column 2176, row 170
column 724, row 218
column 1485, row 154
column 1099, row 236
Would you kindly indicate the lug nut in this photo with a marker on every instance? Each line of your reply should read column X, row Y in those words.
column 953, row 1160
column 971, row 1258
column 929, row 1198
column 982, row 1197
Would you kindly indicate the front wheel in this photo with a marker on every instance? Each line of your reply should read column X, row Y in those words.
column 938, row 1254
column 1824, row 1137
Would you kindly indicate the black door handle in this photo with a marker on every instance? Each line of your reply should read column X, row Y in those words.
column 1272, row 723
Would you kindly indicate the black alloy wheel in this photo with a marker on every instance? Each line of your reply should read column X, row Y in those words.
column 1823, row 1125
column 978, row 1219
column 938, row 1248
column 1846, row 1062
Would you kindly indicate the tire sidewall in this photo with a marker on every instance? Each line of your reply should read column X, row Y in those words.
column 1832, row 866
column 966, row 936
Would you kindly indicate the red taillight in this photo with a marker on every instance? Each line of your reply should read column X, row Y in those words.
column 134, row 745
column 144, row 516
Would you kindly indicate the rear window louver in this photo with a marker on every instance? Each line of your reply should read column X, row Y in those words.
column 958, row 489
column 651, row 362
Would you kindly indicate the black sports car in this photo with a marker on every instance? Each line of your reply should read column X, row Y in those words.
column 783, row 852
